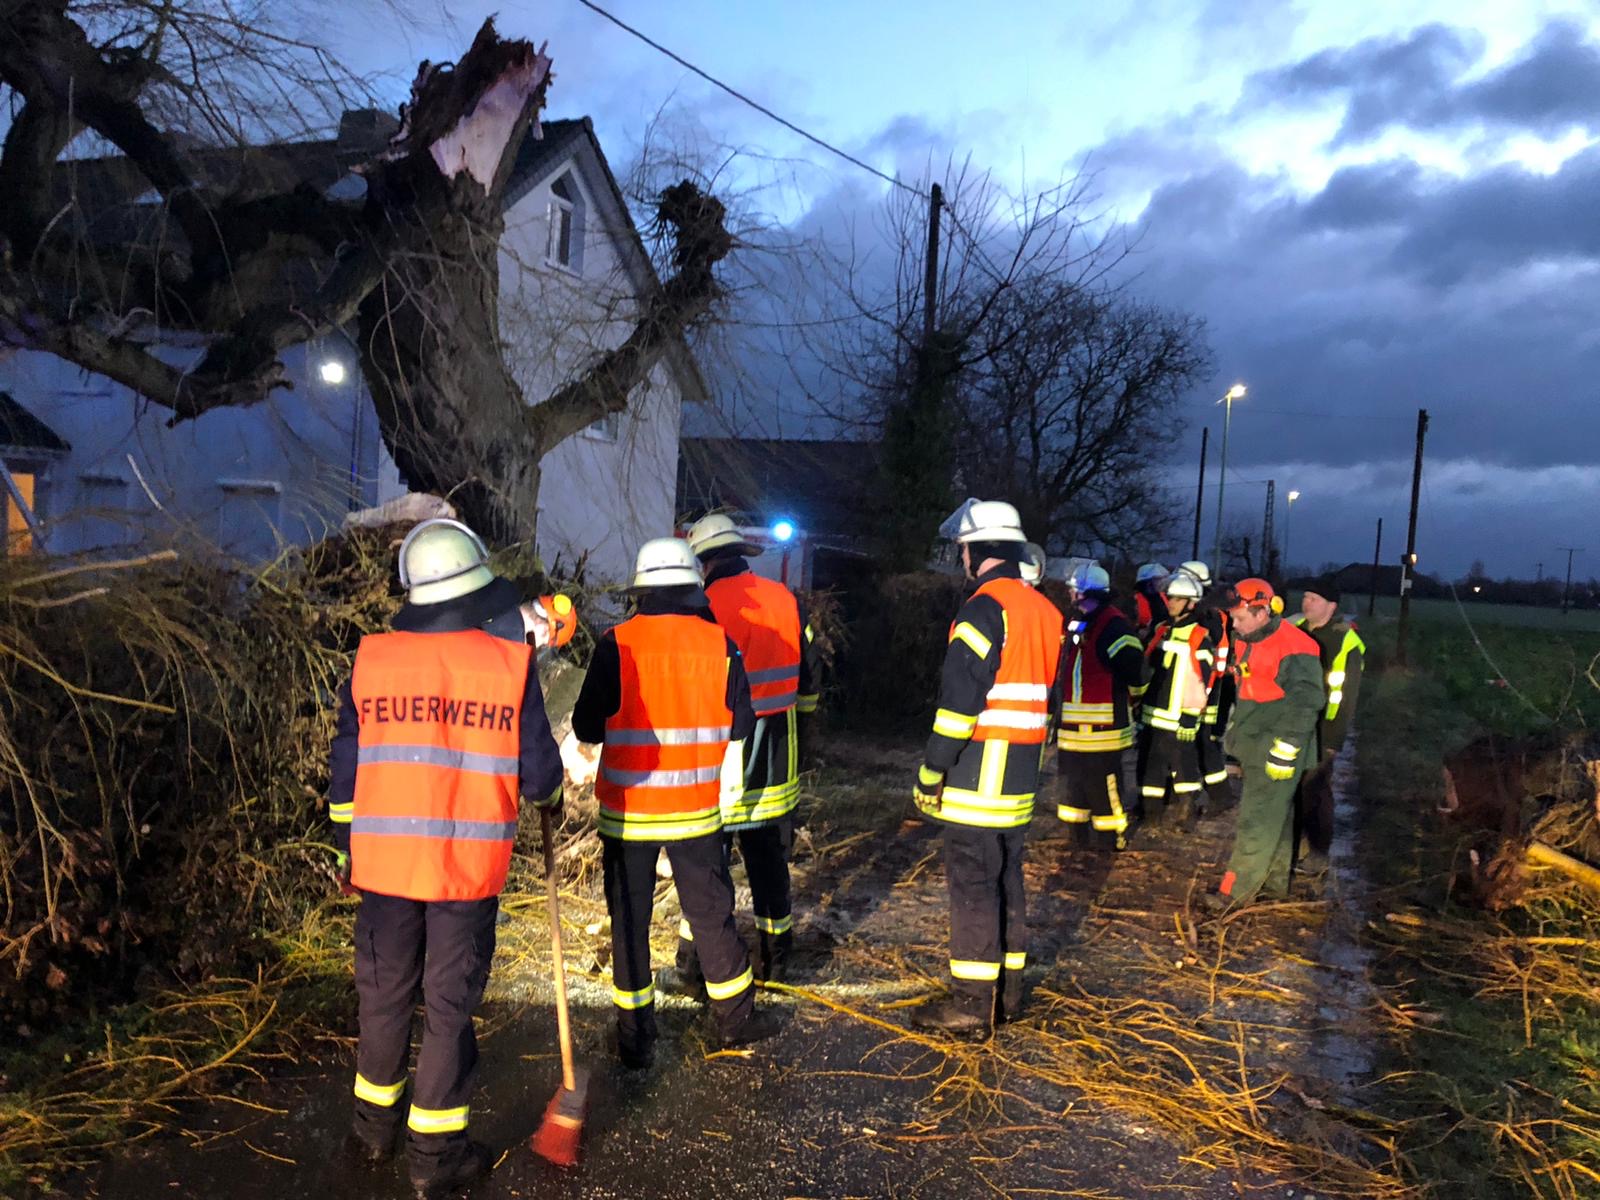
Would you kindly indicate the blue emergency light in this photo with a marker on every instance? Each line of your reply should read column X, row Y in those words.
column 783, row 529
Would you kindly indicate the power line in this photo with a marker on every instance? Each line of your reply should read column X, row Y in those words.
column 893, row 181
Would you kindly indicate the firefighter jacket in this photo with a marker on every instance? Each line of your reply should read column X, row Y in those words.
column 665, row 693
column 1182, row 668
column 1149, row 609
column 1279, row 674
column 1102, row 670
column 1343, row 654
column 996, row 696
column 438, row 735
column 773, row 632
column 1219, row 628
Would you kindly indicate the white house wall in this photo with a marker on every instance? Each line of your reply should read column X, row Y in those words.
column 606, row 490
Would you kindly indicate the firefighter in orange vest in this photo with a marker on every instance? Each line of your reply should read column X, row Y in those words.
column 980, row 770
column 665, row 694
column 1102, row 673
column 1273, row 734
column 440, row 729
column 761, row 781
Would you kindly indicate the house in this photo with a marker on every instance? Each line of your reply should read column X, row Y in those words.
column 813, row 498
column 106, row 470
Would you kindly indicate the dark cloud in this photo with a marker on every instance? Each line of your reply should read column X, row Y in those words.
column 1418, row 81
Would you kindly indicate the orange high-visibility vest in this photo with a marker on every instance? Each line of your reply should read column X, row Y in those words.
column 661, row 763
column 437, row 763
column 763, row 619
column 1017, row 708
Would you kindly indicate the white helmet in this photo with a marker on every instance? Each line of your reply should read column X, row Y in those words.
column 1150, row 571
column 1089, row 577
column 1183, row 585
column 441, row 559
column 983, row 521
column 1197, row 571
column 665, row 562
column 1033, row 564
column 714, row 532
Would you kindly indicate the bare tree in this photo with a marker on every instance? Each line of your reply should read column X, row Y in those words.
column 1044, row 383
column 180, row 90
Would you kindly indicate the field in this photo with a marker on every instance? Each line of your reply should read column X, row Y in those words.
column 1522, row 615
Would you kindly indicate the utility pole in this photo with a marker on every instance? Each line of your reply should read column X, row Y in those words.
column 1372, row 590
column 1566, row 591
column 1269, row 545
column 1538, row 572
column 1200, row 493
column 930, row 279
column 1410, row 560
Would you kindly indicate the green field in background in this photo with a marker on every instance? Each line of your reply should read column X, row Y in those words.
column 1579, row 620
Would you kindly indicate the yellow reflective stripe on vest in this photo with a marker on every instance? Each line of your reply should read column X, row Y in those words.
column 1089, row 714
column 342, row 814
column 437, row 1120
column 951, row 724
column 757, row 805
column 982, row 972
column 658, row 827
column 976, row 642
column 1094, row 738
column 384, row 1096
column 1071, row 815
column 1016, row 960
column 730, row 989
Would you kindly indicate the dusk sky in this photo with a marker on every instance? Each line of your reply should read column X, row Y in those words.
column 1375, row 207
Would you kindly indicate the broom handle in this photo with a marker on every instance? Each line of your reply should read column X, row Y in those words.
column 569, row 1079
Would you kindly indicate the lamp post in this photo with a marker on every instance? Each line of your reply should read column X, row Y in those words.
column 1288, row 515
column 1236, row 392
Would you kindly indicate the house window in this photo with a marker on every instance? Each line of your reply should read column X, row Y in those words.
column 19, row 538
column 607, row 429
column 102, row 511
column 247, row 518
column 565, row 245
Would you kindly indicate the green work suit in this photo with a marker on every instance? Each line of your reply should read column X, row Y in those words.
column 1278, row 659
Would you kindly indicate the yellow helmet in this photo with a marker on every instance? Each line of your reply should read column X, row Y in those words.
column 441, row 559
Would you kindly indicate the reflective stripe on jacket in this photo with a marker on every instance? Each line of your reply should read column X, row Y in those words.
column 439, row 734
column 1094, row 701
column 1181, row 668
column 661, row 761
column 763, row 618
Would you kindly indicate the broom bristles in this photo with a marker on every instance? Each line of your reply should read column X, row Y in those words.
column 561, row 1132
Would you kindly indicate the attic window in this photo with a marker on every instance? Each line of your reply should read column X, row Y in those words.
column 564, row 248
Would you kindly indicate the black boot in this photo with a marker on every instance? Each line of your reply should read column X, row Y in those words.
column 674, row 981
column 1011, row 1001
column 962, row 1015
column 360, row 1149
column 1082, row 835
column 465, row 1162
column 761, row 1024
column 776, row 950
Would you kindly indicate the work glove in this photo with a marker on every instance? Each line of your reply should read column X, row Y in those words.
column 341, row 873
column 928, row 793
column 1188, row 726
column 1281, row 759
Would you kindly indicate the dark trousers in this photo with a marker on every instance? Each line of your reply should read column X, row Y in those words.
column 766, row 850
column 1168, row 765
column 1313, row 810
column 1213, row 762
column 1090, row 783
column 705, row 893
column 988, row 912
column 437, row 952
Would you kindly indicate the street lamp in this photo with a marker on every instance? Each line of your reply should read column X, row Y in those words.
column 1236, row 392
column 1288, row 515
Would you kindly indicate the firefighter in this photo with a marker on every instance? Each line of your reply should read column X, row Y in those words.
column 1150, row 607
column 1213, row 610
column 1341, row 653
column 981, row 766
column 441, row 728
column 1273, row 735
column 665, row 693
column 1031, row 569
column 761, row 781
column 1181, row 660
column 1102, row 676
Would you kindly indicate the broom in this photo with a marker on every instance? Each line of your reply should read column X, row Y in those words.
column 558, row 1137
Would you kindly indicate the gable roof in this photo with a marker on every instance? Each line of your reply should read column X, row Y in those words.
column 20, row 428
column 825, row 487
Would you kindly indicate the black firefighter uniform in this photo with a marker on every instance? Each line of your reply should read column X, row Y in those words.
column 982, row 762
column 1182, row 663
column 1102, row 672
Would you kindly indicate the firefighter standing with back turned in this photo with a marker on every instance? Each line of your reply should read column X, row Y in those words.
column 761, row 783
column 439, row 731
column 1102, row 673
column 1342, row 653
column 665, row 694
column 981, row 766
column 1273, row 735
